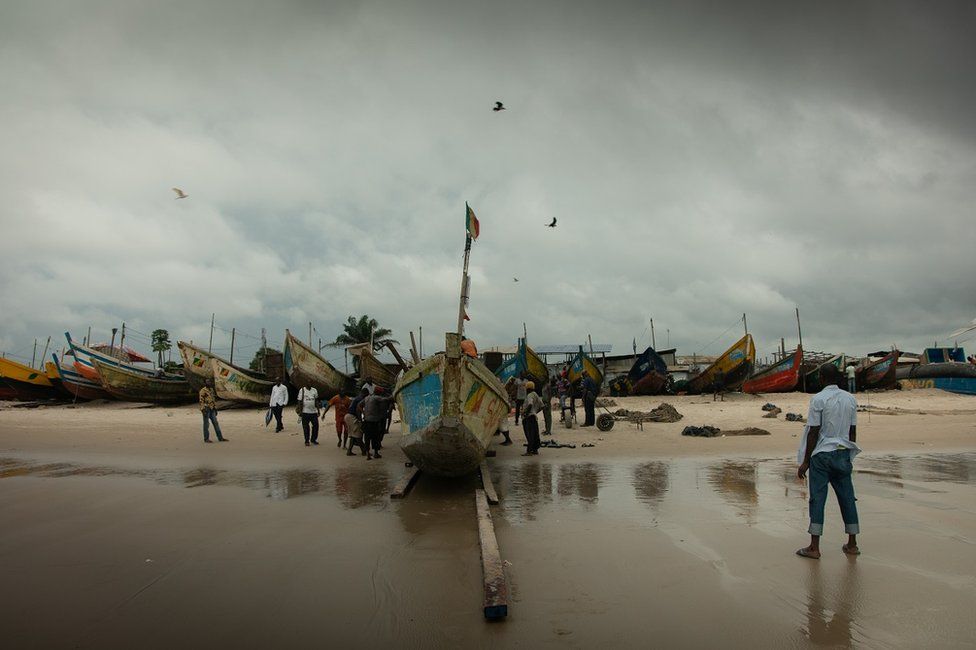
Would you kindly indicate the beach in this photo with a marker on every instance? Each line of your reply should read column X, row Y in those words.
column 122, row 529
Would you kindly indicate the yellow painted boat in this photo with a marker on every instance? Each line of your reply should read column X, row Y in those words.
column 234, row 384
column 134, row 386
column 197, row 364
column 525, row 361
column 582, row 362
column 306, row 367
column 19, row 381
column 729, row 370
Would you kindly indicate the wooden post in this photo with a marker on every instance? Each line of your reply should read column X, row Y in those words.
column 406, row 482
column 464, row 284
column 88, row 338
column 44, row 354
column 413, row 349
column 210, row 345
column 525, row 334
column 590, row 339
column 233, row 331
column 421, row 336
column 309, row 333
column 111, row 346
column 34, row 353
column 493, row 569
column 264, row 350
column 396, row 354
column 799, row 335
column 782, row 347
column 653, row 341
column 490, row 493
column 745, row 323
column 669, row 338
column 122, row 339
column 799, row 332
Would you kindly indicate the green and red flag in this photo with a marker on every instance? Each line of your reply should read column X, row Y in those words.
column 471, row 222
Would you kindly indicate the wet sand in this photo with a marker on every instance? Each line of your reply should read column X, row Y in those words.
column 646, row 539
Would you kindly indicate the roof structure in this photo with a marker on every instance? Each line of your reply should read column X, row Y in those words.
column 598, row 348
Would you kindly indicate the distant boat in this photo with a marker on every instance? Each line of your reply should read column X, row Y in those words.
column 649, row 374
column 879, row 374
column 76, row 384
column 943, row 368
column 116, row 357
column 235, row 384
column 781, row 377
column 729, row 370
column 126, row 383
column 21, row 382
column 197, row 366
column 51, row 370
column 812, row 377
column 582, row 362
column 450, row 406
column 370, row 366
column 524, row 360
column 305, row 367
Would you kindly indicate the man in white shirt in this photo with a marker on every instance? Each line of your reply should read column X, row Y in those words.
column 520, row 392
column 279, row 400
column 851, row 382
column 827, row 450
column 308, row 397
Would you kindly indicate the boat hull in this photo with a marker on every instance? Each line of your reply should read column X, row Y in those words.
column 85, row 358
column 23, row 382
column 134, row 386
column 783, row 377
column 78, row 386
column 450, row 407
column 305, row 367
column 197, row 365
column 525, row 361
column 370, row 366
column 234, row 384
column 961, row 385
column 582, row 362
column 649, row 374
column 730, row 370
column 880, row 375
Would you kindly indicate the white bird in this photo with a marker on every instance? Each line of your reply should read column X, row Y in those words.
column 180, row 194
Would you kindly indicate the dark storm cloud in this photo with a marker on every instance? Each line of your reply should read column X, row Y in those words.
column 703, row 159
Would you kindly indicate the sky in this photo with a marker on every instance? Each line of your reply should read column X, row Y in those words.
column 703, row 159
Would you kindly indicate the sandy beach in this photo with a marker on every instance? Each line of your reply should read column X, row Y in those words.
column 122, row 529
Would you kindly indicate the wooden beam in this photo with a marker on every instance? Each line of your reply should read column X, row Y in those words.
column 396, row 354
column 406, row 482
column 490, row 493
column 493, row 570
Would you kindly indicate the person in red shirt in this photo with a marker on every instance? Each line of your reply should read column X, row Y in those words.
column 341, row 403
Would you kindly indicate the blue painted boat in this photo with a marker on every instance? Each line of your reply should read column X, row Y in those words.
column 649, row 374
column 525, row 361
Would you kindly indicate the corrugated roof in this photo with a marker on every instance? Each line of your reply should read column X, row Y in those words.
column 598, row 348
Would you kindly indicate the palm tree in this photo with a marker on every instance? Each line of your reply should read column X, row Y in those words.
column 363, row 330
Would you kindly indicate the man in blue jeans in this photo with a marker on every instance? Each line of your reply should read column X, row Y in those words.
column 208, row 406
column 827, row 450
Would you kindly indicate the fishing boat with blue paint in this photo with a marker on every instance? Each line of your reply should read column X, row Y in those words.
column 880, row 374
column 943, row 368
column 450, row 404
column 108, row 355
column 649, row 374
column 525, row 360
column 581, row 362
column 74, row 382
column 728, row 371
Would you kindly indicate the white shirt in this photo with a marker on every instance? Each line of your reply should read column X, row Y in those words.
column 835, row 412
column 533, row 404
column 851, row 372
column 279, row 395
column 308, row 397
column 370, row 387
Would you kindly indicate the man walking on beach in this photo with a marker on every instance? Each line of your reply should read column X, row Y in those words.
column 308, row 398
column 373, row 409
column 341, row 402
column 520, row 393
column 588, row 388
column 827, row 450
column 530, row 424
column 279, row 400
column 851, row 379
column 208, row 406
column 355, row 430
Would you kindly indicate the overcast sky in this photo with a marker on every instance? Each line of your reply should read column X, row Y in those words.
column 703, row 160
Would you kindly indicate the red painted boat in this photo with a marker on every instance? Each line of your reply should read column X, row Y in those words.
column 880, row 374
column 781, row 377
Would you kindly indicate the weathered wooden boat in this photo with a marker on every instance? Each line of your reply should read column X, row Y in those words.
column 450, row 406
column 132, row 385
column 781, row 377
column 74, row 383
column 238, row 385
column 373, row 368
column 197, row 364
column 581, row 362
column 811, row 378
column 879, row 374
column 85, row 356
column 961, row 385
column 51, row 370
column 22, row 382
column 525, row 361
column 649, row 374
column 728, row 371
column 305, row 367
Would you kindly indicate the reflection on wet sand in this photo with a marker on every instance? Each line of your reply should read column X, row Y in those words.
column 831, row 616
column 651, row 482
column 736, row 482
column 358, row 487
column 582, row 480
column 524, row 488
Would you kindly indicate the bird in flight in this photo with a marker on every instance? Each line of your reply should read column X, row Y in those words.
column 514, row 279
column 180, row 194
column 553, row 224
column 498, row 107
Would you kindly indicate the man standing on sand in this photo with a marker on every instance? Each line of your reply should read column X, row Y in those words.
column 341, row 402
column 355, row 429
column 851, row 379
column 530, row 424
column 547, row 406
column 588, row 388
column 308, row 398
column 279, row 400
column 373, row 410
column 520, row 393
column 827, row 450
column 208, row 406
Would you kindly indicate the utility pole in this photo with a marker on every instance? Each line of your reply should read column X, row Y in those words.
column 264, row 350
column 590, row 339
column 233, row 331
column 309, row 333
column 669, row 338
column 210, row 345
column 653, row 340
column 525, row 335
column 44, row 354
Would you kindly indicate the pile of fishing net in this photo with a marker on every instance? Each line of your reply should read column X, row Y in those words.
column 663, row 413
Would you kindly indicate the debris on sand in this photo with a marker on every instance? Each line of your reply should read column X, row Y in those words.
column 552, row 444
column 587, row 444
column 769, row 406
column 794, row 417
column 663, row 413
column 748, row 431
column 605, row 402
column 773, row 412
column 711, row 432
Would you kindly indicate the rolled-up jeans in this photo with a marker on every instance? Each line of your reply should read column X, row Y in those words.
column 210, row 415
column 833, row 467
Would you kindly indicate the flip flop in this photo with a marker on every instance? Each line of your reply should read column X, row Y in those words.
column 845, row 548
column 803, row 552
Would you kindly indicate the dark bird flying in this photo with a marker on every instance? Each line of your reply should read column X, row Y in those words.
column 498, row 107
column 553, row 224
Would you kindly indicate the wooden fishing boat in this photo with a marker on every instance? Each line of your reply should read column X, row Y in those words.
column 879, row 374
column 781, row 377
column 812, row 377
column 305, row 367
column 728, row 371
column 525, row 361
column 649, row 374
column 132, row 385
column 51, row 370
column 370, row 366
column 22, row 382
column 197, row 364
column 74, row 383
column 450, row 406
column 582, row 362
column 117, row 357
column 238, row 385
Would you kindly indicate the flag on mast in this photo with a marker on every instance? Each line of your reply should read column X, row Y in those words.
column 471, row 222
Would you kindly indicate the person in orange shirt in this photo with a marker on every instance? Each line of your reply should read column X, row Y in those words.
column 468, row 347
column 341, row 403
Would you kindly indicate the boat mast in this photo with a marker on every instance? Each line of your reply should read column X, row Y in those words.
column 653, row 342
column 44, row 354
column 745, row 324
column 210, row 345
column 464, row 284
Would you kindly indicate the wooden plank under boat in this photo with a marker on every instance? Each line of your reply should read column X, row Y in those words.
column 580, row 362
column 781, row 377
column 525, row 361
column 235, row 384
column 730, row 369
column 135, row 386
column 22, row 382
column 306, row 367
column 450, row 407
column 74, row 383
column 879, row 374
column 649, row 374
column 197, row 366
